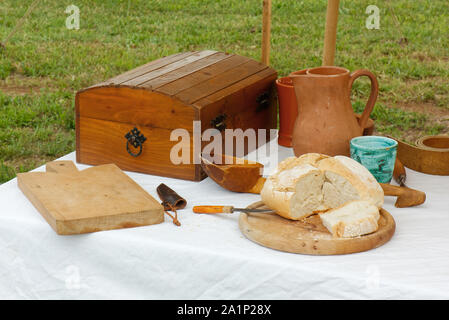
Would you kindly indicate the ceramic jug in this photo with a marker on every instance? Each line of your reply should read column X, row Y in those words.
column 326, row 121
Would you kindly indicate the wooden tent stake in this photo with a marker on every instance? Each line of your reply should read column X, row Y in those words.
column 19, row 23
column 330, row 35
column 266, row 32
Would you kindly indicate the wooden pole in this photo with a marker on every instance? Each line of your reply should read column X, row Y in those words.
column 19, row 24
column 330, row 35
column 266, row 32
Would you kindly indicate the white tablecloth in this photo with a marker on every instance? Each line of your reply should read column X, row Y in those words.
column 208, row 257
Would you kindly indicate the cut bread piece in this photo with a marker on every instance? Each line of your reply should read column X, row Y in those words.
column 353, row 219
column 351, row 181
column 294, row 193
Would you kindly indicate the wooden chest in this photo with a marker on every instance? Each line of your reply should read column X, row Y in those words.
column 130, row 119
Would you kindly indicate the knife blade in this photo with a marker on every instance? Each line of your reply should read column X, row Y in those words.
column 227, row 209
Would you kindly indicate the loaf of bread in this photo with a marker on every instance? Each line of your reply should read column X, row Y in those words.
column 352, row 219
column 315, row 183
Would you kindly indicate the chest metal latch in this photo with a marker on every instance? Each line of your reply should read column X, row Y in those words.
column 136, row 139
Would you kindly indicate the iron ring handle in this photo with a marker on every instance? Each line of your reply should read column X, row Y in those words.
column 136, row 139
column 132, row 153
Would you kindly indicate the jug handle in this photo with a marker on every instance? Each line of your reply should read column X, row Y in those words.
column 373, row 95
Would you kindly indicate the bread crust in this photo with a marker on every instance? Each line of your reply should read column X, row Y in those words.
column 364, row 221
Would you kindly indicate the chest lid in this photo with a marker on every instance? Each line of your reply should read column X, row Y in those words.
column 189, row 76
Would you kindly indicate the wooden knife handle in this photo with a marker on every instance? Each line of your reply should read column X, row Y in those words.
column 406, row 197
column 212, row 209
column 399, row 174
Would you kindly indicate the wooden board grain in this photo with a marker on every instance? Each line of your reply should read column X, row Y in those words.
column 186, row 70
column 148, row 67
column 220, row 81
column 95, row 199
column 134, row 106
column 309, row 236
column 200, row 76
column 168, row 68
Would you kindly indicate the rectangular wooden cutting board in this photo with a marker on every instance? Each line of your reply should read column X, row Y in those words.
column 95, row 199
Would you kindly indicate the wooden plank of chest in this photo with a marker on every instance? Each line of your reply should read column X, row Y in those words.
column 135, row 106
column 241, row 92
column 185, row 71
column 172, row 88
column 220, row 81
column 168, row 68
column 104, row 142
column 150, row 66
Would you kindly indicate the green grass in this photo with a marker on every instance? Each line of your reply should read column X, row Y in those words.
column 44, row 64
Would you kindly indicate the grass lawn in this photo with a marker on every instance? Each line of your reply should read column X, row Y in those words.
column 44, row 63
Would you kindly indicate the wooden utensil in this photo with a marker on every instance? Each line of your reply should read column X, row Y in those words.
column 309, row 236
column 406, row 197
column 240, row 175
column 247, row 177
column 94, row 199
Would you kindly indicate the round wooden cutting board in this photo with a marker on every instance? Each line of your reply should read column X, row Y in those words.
column 309, row 236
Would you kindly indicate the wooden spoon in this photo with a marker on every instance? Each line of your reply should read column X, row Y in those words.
column 239, row 175
column 234, row 174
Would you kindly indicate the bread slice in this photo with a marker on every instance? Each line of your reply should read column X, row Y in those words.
column 353, row 219
column 314, row 183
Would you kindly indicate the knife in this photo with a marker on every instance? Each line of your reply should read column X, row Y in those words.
column 228, row 209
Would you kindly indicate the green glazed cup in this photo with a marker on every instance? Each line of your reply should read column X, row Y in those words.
column 377, row 154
